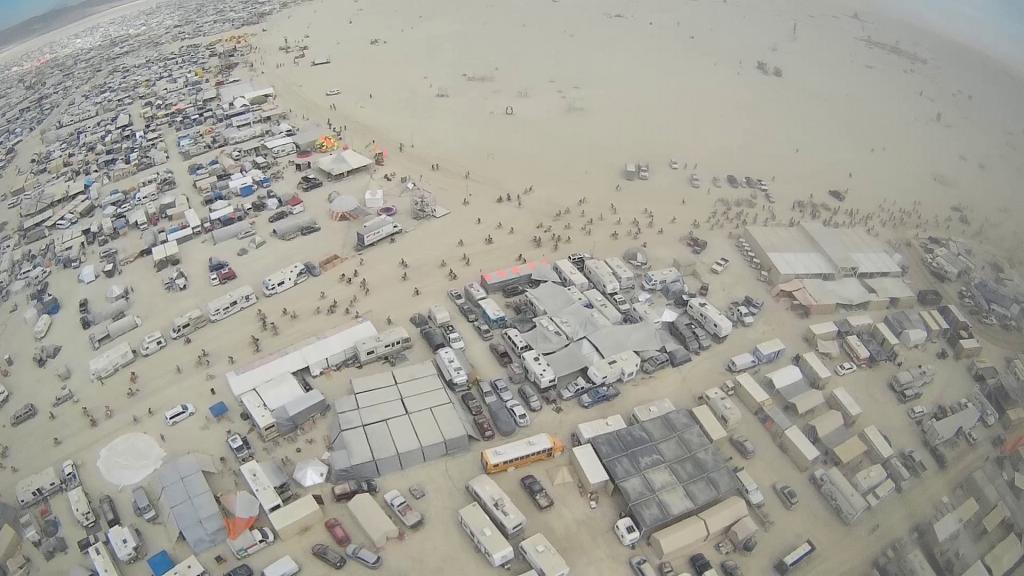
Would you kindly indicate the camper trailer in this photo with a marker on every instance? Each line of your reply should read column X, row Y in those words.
column 538, row 370
column 658, row 279
column 80, row 507
column 622, row 366
column 231, row 303
column 388, row 343
column 37, row 487
column 623, row 274
column 113, row 330
column 188, row 323
column 285, row 279
column 376, row 230
column 710, row 318
column 601, row 276
column 451, row 368
column 570, row 275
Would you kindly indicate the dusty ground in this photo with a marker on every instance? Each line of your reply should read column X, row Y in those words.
column 590, row 90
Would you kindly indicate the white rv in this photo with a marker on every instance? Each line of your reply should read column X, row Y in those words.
column 601, row 276
column 622, row 272
column 658, row 279
column 230, row 303
column 384, row 345
column 376, row 230
column 450, row 367
column 538, row 370
column 603, row 306
column 570, row 275
column 37, row 487
column 622, row 366
column 188, row 323
column 710, row 318
column 80, row 507
column 102, row 563
column 285, row 279
column 126, row 541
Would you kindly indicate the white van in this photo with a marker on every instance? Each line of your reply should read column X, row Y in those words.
column 282, row 567
column 741, row 362
column 515, row 342
column 750, row 489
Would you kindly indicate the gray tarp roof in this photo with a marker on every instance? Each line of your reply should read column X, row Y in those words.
column 186, row 494
column 576, row 356
column 552, row 297
column 629, row 337
column 578, row 321
column 546, row 340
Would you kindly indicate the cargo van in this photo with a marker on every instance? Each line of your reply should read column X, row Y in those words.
column 283, row 567
column 142, row 506
column 741, row 362
column 515, row 342
column 750, row 489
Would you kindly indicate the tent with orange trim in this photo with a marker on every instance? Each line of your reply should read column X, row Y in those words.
column 242, row 510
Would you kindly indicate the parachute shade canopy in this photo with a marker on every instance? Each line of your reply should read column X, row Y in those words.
column 310, row 472
column 242, row 511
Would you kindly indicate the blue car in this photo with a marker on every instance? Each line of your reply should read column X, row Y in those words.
column 597, row 395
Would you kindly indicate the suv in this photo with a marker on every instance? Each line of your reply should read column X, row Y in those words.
column 142, row 506
column 487, row 392
column 483, row 330
column 700, row 563
column 468, row 313
column 513, row 291
column 530, row 398
column 597, row 395
column 483, row 426
column 743, row 445
column 909, row 394
column 787, row 494
column 307, row 183
column 310, row 229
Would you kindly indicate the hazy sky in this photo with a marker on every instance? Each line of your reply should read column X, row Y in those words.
column 14, row 11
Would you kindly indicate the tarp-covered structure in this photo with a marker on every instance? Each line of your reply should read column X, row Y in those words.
column 192, row 510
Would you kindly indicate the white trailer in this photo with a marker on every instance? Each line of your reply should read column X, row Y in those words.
column 485, row 536
column 109, row 362
column 601, row 276
column 375, row 230
column 102, row 563
column 451, row 369
column 38, row 486
column 622, row 366
column 126, row 541
column 586, row 431
column 538, row 370
column 80, row 507
column 542, row 556
column 710, row 318
column 234, row 301
column 603, row 306
column 113, row 330
column 570, row 275
column 622, row 272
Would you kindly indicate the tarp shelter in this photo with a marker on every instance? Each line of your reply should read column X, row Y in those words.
column 160, row 563
column 243, row 509
column 345, row 207
column 115, row 293
column 87, row 274
column 219, row 409
column 193, row 512
column 310, row 472
column 341, row 164
column 372, row 519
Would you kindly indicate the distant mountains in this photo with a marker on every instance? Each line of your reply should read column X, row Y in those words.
column 54, row 20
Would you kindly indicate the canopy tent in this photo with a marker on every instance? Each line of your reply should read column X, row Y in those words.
column 310, row 472
column 115, row 293
column 87, row 274
column 242, row 511
column 345, row 207
column 636, row 256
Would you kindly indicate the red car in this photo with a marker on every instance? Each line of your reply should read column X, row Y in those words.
column 483, row 425
column 337, row 531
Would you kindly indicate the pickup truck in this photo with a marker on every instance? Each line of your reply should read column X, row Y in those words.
column 240, row 447
column 720, row 265
column 410, row 517
column 346, row 491
column 536, row 491
column 69, row 475
column 597, row 395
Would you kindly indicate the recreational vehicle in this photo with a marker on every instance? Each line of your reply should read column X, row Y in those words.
column 474, row 292
column 515, row 342
column 37, row 487
column 601, row 276
column 658, row 279
column 188, row 323
column 492, row 314
column 710, row 318
column 80, row 507
column 538, row 370
column 376, row 230
column 285, row 279
column 230, row 303
column 384, row 345
column 603, row 306
column 485, row 536
column 570, row 275
column 623, row 275
column 451, row 368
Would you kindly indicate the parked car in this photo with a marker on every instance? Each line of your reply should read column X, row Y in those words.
column 731, row 568
column 626, row 531
column 500, row 353
column 574, row 389
column 530, row 398
column 502, row 389
column 487, row 392
column 787, row 494
column 337, row 531
column 307, row 183
column 641, row 566
column 345, row 491
column 597, row 395
column 483, row 426
column 537, row 492
column 733, row 181
column 484, row 331
column 917, row 412
column 909, row 394
column 329, row 556
column 310, row 229
column 240, row 570
column 844, row 368
column 513, row 291
column 364, row 556
column 278, row 216
column 179, row 413
column 666, row 569
column 471, row 403
column 468, row 313
column 700, row 563
column 456, row 297
column 743, row 445
column 83, row 306
column 519, row 414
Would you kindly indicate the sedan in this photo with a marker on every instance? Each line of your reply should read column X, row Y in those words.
column 472, row 404
column 530, row 398
column 337, row 531
column 483, row 426
column 518, row 413
column 456, row 297
column 364, row 556
column 502, row 389
column 329, row 556
column 743, row 445
column 787, row 494
column 845, row 368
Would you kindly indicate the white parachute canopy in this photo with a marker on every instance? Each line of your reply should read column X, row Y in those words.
column 310, row 472
column 130, row 458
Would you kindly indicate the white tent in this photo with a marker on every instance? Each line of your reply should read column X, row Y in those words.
column 87, row 274
column 130, row 458
column 310, row 472
column 114, row 293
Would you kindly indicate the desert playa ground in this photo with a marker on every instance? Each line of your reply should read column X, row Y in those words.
column 901, row 118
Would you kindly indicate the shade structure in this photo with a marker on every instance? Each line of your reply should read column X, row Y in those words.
column 242, row 510
column 310, row 472
column 636, row 256
column 114, row 292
